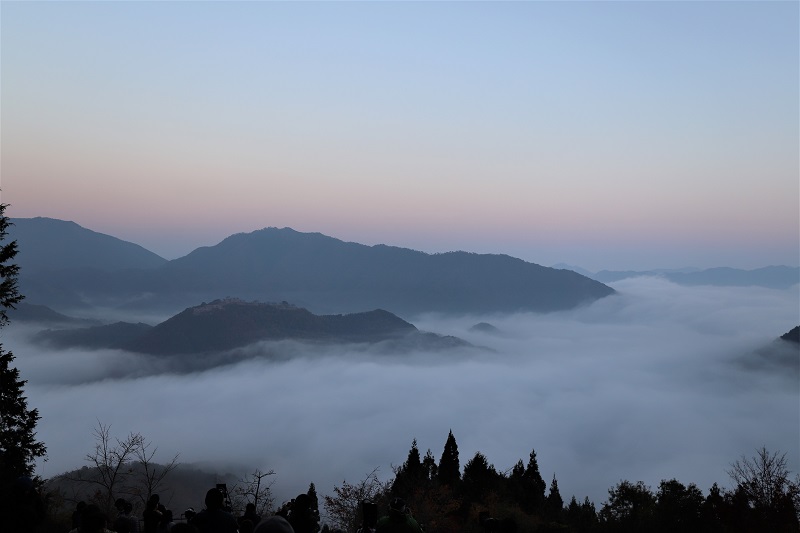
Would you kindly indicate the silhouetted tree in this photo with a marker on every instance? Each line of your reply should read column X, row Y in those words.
column 479, row 478
column 429, row 467
column 771, row 496
column 18, row 445
column 19, row 448
column 713, row 511
column 111, row 469
column 255, row 489
column 312, row 495
column 151, row 480
column 449, row 472
column 409, row 476
column 9, row 272
column 581, row 517
column 344, row 508
column 554, row 504
column 533, row 486
column 678, row 508
column 629, row 508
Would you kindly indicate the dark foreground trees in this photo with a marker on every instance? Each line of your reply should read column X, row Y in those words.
column 481, row 499
column 19, row 448
column 120, row 467
column 765, row 496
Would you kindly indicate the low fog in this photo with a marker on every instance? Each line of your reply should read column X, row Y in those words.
column 650, row 384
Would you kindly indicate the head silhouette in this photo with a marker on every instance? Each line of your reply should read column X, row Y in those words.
column 214, row 499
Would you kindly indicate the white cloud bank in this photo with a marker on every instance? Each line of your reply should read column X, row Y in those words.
column 645, row 385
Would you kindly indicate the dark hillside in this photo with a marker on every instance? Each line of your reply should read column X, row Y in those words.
column 111, row 336
column 331, row 275
column 47, row 244
column 226, row 324
column 68, row 267
column 793, row 335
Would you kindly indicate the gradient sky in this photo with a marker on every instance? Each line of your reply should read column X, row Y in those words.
column 605, row 135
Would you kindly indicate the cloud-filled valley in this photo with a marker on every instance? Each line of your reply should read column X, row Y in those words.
column 646, row 384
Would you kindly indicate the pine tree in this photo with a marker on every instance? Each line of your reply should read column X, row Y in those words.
column 410, row 475
column 18, row 445
column 449, row 470
column 554, row 504
column 429, row 467
column 312, row 495
column 533, row 486
column 9, row 292
column 480, row 478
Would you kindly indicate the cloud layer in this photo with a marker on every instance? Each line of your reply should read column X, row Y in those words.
column 645, row 385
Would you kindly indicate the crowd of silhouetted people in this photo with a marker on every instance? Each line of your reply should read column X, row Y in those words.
column 297, row 516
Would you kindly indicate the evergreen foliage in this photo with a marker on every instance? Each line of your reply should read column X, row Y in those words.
column 9, row 272
column 554, row 504
column 449, row 472
column 629, row 508
column 429, row 467
column 19, row 448
column 18, row 445
column 533, row 486
column 410, row 475
column 480, row 478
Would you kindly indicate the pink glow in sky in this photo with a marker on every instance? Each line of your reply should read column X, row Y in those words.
column 604, row 135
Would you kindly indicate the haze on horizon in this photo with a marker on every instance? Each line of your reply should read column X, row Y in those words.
column 605, row 135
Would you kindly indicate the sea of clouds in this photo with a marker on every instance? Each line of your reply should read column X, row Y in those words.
column 657, row 382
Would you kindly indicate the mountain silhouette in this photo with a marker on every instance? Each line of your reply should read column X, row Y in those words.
column 232, row 323
column 792, row 335
column 315, row 271
column 773, row 277
column 47, row 244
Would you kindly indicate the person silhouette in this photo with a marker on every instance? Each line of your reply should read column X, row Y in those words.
column 399, row 519
column 214, row 519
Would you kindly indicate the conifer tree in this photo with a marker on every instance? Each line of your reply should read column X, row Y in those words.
column 18, row 445
column 312, row 495
column 429, row 467
column 554, row 504
column 409, row 476
column 480, row 478
column 413, row 462
column 533, row 486
column 449, row 469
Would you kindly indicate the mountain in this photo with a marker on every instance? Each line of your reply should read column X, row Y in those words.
column 773, row 277
column 792, row 336
column 320, row 273
column 226, row 324
column 47, row 244
column 43, row 315
column 117, row 335
column 335, row 276
column 59, row 260
column 781, row 356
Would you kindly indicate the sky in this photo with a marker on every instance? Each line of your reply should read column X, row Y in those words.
column 605, row 135
column 659, row 381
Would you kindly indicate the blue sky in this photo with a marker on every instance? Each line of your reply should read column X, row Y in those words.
column 601, row 134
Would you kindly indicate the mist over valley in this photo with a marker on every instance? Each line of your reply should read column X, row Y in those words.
column 650, row 380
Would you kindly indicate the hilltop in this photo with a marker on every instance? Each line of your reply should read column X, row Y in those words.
column 321, row 273
column 232, row 323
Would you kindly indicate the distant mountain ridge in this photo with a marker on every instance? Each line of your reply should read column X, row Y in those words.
column 51, row 244
column 315, row 271
column 773, row 277
column 232, row 323
column 792, row 335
